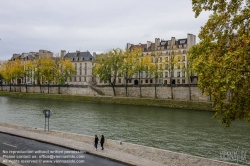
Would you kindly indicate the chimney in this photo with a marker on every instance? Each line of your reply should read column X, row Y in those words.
column 157, row 43
column 148, row 44
column 94, row 54
column 172, row 42
column 63, row 53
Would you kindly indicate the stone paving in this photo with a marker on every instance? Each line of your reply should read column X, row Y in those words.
column 131, row 154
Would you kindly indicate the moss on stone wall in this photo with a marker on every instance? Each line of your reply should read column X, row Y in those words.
column 117, row 100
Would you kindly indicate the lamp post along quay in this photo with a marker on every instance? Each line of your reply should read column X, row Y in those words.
column 47, row 114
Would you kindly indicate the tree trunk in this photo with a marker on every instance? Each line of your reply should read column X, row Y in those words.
column 140, row 83
column 155, row 89
column 59, row 89
column 189, row 89
column 113, row 87
column 172, row 96
column 48, row 87
column 40, row 88
column 126, row 87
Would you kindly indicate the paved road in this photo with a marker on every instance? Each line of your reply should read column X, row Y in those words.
column 30, row 152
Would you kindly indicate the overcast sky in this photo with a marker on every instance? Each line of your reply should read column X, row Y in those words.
column 96, row 25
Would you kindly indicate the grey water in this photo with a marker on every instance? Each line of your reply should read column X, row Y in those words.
column 186, row 131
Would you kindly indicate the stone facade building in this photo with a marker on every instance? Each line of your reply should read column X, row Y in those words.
column 82, row 61
column 167, row 49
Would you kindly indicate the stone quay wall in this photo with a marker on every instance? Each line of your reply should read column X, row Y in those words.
column 163, row 92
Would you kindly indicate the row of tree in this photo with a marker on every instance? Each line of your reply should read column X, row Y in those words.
column 126, row 64
column 43, row 70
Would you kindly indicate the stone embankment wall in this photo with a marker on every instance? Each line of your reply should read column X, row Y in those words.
column 163, row 92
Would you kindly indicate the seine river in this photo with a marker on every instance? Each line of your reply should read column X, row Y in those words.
column 187, row 131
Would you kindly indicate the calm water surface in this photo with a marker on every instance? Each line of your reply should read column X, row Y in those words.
column 186, row 131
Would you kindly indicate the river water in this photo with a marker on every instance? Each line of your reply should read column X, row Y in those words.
column 187, row 131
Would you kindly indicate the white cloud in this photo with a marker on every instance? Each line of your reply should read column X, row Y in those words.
column 96, row 25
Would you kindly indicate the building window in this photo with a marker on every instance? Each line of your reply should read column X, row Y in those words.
column 166, row 59
column 84, row 79
column 119, row 80
column 85, row 65
column 156, row 60
column 183, row 74
column 172, row 74
column 100, row 81
column 178, row 74
column 151, row 81
column 85, row 71
column 166, row 74
column 184, row 58
column 146, row 80
column 129, row 81
column 75, row 79
column 183, row 81
column 80, row 79
column 178, row 81
column 166, row 66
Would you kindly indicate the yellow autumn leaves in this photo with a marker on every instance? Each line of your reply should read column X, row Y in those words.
column 43, row 70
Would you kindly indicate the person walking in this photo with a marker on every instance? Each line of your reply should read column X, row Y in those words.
column 102, row 141
column 96, row 142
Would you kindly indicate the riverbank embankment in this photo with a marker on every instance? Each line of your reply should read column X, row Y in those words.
column 131, row 154
column 184, row 104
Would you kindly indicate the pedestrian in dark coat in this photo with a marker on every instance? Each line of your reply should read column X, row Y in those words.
column 102, row 141
column 96, row 142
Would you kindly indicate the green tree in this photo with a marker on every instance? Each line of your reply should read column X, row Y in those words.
column 156, row 67
column 64, row 70
column 222, row 57
column 127, row 70
column 140, row 64
column 171, row 63
column 107, row 66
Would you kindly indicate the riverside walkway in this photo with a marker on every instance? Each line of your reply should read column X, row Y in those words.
column 128, row 153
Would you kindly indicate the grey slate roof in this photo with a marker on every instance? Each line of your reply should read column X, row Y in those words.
column 85, row 55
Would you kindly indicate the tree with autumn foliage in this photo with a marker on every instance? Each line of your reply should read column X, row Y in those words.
column 107, row 66
column 155, row 67
column 172, row 62
column 140, row 64
column 64, row 69
column 127, row 70
column 222, row 57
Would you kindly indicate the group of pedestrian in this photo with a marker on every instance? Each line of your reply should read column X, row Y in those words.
column 101, row 142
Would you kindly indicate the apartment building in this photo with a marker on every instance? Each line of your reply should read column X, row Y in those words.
column 166, row 49
column 82, row 61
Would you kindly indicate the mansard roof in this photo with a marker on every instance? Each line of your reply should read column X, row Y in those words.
column 86, row 55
